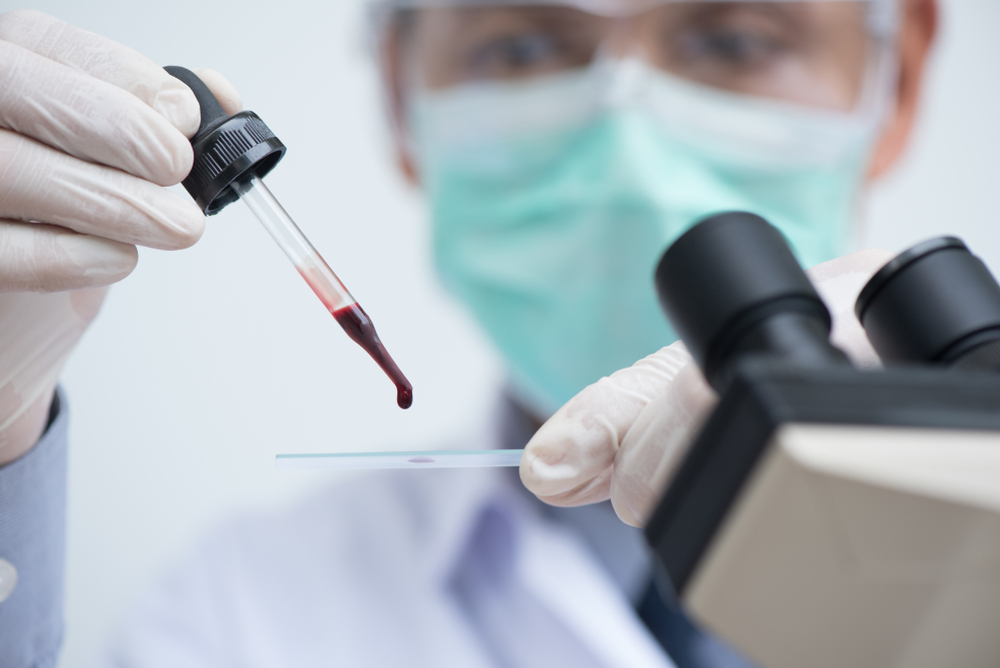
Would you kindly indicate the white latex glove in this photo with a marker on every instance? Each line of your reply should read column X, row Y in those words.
column 90, row 132
column 624, row 436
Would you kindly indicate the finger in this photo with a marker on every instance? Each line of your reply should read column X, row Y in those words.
column 224, row 91
column 43, row 258
column 569, row 460
column 657, row 442
column 106, row 60
column 46, row 185
column 87, row 303
column 88, row 118
column 839, row 282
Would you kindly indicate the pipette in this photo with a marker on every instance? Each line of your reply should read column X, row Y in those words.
column 418, row 459
column 232, row 154
column 317, row 273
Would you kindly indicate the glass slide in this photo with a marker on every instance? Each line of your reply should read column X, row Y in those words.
column 418, row 459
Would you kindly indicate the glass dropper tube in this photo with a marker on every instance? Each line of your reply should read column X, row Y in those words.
column 300, row 251
column 317, row 273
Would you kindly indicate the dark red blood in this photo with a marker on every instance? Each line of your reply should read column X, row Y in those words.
column 359, row 327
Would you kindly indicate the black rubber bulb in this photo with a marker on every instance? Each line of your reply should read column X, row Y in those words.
column 226, row 148
column 212, row 113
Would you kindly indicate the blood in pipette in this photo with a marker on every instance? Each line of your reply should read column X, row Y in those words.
column 359, row 327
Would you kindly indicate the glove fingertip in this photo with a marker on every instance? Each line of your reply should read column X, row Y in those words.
column 177, row 103
column 624, row 512
column 223, row 90
column 527, row 471
column 98, row 262
column 543, row 477
column 178, row 159
column 61, row 260
column 189, row 224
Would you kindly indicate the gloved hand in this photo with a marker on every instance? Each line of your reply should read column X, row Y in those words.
column 90, row 132
column 623, row 436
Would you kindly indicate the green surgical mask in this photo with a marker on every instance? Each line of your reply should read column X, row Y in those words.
column 551, row 206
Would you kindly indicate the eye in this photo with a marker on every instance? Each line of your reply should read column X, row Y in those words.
column 732, row 48
column 514, row 55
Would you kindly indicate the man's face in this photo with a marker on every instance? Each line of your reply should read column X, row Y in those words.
column 812, row 53
column 817, row 54
column 562, row 150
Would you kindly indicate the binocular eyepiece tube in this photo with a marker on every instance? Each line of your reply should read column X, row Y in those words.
column 935, row 303
column 733, row 290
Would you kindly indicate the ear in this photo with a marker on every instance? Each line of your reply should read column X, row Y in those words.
column 391, row 57
column 405, row 163
column 918, row 25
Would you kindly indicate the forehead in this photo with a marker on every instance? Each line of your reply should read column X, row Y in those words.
column 603, row 7
column 885, row 10
column 600, row 7
column 437, row 16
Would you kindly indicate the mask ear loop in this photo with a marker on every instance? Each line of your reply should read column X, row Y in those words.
column 877, row 102
column 387, row 26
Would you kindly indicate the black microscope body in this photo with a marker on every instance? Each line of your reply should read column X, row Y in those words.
column 816, row 519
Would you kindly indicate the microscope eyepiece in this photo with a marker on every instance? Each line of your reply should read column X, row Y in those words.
column 732, row 289
column 935, row 303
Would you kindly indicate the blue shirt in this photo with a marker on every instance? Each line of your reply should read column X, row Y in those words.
column 33, row 540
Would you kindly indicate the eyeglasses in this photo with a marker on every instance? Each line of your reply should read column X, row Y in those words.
column 817, row 53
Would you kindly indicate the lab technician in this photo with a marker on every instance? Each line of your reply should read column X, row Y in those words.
column 561, row 148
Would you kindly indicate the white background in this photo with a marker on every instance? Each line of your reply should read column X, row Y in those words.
column 207, row 362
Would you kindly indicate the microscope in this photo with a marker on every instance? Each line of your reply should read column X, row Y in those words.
column 827, row 516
